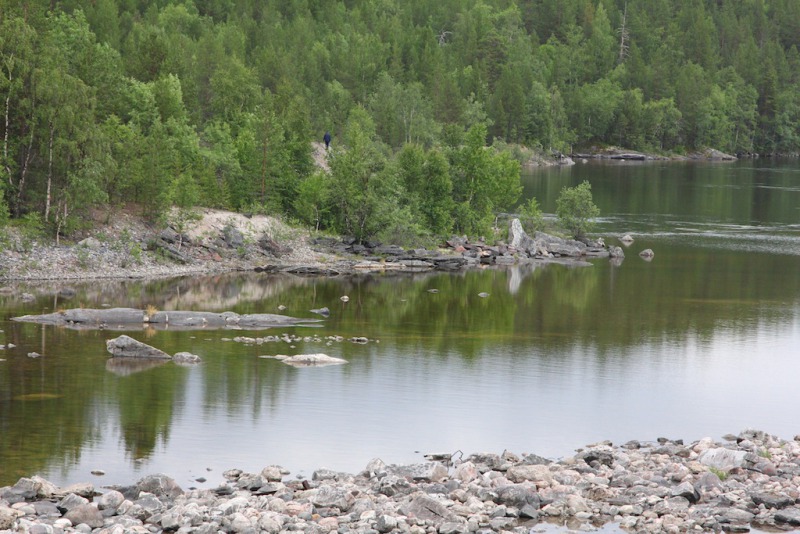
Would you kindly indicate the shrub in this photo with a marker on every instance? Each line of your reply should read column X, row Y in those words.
column 531, row 217
column 575, row 209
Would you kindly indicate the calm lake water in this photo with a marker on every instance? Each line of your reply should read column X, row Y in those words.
column 703, row 340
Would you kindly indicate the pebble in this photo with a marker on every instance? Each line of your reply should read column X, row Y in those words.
column 654, row 487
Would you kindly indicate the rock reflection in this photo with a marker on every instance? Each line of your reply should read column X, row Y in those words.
column 130, row 366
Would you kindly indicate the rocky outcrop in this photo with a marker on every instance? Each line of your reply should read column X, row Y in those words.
column 543, row 245
column 664, row 486
column 127, row 318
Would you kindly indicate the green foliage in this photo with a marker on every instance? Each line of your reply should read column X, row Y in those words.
column 111, row 101
column 575, row 209
column 425, row 176
column 721, row 473
column 484, row 182
column 531, row 216
column 358, row 199
column 312, row 202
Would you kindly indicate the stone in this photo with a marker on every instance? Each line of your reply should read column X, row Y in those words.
column 232, row 237
column 386, row 523
column 83, row 489
column 110, row 500
column 46, row 508
column 332, row 496
column 427, row 508
column 7, row 517
column 597, row 457
column 85, row 514
column 772, row 500
column 465, row 472
column 127, row 347
column 647, row 253
column 721, row 458
column 425, row 472
column 159, row 485
column 186, row 358
column 540, row 474
column 518, row 238
column 273, row 473
column 737, row 516
column 789, row 515
column 71, row 501
column 517, row 495
column 312, row 360
column 687, row 491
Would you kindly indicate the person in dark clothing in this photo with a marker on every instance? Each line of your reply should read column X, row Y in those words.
column 327, row 139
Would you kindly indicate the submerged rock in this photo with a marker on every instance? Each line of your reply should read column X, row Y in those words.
column 309, row 360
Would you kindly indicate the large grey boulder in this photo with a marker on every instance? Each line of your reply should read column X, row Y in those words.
column 772, row 499
column 71, row 501
column 328, row 496
column 160, row 485
column 518, row 495
column 85, row 514
column 127, row 347
column 426, row 508
column 427, row 472
column 518, row 238
column 722, row 459
column 790, row 516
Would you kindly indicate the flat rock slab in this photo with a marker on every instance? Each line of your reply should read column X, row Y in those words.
column 309, row 360
column 128, row 318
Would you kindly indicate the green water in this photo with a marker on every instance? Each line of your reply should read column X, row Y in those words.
column 700, row 341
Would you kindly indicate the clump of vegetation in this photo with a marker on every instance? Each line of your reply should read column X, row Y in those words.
column 721, row 474
column 531, row 217
column 576, row 209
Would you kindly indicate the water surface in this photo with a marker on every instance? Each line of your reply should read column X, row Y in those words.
column 700, row 341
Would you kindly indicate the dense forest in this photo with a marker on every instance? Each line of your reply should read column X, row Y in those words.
column 161, row 103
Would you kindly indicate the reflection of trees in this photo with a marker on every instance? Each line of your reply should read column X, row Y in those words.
column 147, row 402
column 541, row 312
column 46, row 403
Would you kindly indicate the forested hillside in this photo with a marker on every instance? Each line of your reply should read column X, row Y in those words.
column 216, row 102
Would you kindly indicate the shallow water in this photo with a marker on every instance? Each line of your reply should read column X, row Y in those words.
column 700, row 341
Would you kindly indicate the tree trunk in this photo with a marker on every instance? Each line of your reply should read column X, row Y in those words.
column 5, row 134
column 264, row 174
column 49, row 171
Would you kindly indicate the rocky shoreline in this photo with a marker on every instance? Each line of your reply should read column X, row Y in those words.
column 750, row 480
column 224, row 242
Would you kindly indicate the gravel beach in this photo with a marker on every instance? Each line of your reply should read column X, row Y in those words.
column 750, row 480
